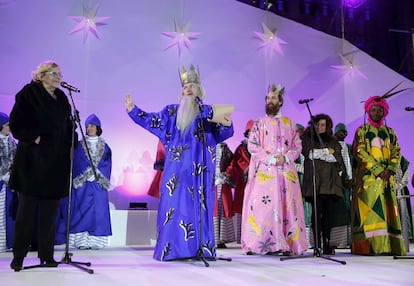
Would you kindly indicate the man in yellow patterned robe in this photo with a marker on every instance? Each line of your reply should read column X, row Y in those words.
column 376, row 227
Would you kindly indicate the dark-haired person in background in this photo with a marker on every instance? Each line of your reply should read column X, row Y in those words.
column 341, row 222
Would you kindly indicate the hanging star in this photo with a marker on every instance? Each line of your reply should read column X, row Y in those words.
column 180, row 37
column 349, row 66
column 88, row 23
column 269, row 40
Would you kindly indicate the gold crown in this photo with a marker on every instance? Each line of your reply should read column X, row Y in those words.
column 277, row 88
column 190, row 76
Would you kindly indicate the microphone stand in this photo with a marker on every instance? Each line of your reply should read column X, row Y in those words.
column 200, row 253
column 67, row 257
column 315, row 228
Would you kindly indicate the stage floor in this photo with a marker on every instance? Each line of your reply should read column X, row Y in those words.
column 133, row 265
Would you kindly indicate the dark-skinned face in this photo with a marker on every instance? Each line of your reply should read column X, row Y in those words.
column 341, row 135
column 376, row 113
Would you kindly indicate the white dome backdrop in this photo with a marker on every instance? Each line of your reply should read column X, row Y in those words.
column 130, row 56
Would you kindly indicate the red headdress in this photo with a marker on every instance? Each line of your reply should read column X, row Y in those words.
column 249, row 124
column 379, row 101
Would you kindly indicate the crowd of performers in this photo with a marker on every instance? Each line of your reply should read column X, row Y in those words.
column 286, row 188
column 265, row 201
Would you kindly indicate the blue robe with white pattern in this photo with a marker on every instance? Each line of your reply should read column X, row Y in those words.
column 187, row 187
column 89, row 202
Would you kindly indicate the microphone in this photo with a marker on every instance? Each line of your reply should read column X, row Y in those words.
column 302, row 101
column 68, row 86
column 408, row 108
column 199, row 101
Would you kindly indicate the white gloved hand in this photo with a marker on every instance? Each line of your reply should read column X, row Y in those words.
column 315, row 154
column 272, row 160
column 6, row 177
column 318, row 153
column 219, row 180
column 328, row 156
column 91, row 178
column 325, row 152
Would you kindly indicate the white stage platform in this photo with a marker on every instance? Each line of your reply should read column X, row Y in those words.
column 133, row 227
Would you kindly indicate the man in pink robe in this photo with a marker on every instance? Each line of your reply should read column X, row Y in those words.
column 273, row 217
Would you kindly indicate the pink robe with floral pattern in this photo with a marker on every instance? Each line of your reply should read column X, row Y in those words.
column 273, row 217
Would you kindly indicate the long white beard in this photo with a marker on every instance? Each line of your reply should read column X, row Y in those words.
column 186, row 113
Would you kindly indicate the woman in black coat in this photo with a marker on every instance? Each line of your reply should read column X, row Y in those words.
column 41, row 121
column 328, row 185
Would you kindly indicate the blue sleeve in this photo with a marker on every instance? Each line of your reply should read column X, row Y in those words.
column 155, row 122
column 222, row 133
column 105, row 165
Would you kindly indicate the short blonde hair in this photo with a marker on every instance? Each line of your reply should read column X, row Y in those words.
column 38, row 74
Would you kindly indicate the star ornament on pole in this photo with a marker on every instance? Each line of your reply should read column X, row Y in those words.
column 88, row 23
column 181, row 38
column 349, row 66
column 269, row 40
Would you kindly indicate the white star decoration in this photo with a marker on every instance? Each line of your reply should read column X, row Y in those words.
column 349, row 66
column 180, row 37
column 88, row 22
column 269, row 40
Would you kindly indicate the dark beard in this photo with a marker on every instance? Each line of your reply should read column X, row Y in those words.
column 271, row 109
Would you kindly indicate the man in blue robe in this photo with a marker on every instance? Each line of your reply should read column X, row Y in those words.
column 189, row 131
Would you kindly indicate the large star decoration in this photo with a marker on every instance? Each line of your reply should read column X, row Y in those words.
column 269, row 40
column 180, row 37
column 349, row 66
column 88, row 23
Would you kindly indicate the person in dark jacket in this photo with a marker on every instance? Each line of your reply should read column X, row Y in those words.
column 326, row 154
column 41, row 121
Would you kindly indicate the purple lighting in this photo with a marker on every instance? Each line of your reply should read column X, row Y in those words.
column 353, row 3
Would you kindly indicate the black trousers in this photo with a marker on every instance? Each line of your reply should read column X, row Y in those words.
column 45, row 210
column 324, row 206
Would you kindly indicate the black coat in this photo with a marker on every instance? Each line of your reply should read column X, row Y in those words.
column 328, row 181
column 43, row 169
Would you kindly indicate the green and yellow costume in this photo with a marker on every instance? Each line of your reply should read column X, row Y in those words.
column 376, row 226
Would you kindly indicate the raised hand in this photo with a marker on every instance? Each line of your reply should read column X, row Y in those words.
column 226, row 120
column 129, row 102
